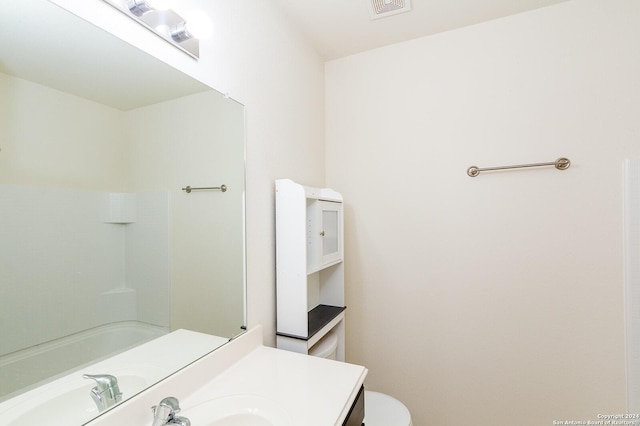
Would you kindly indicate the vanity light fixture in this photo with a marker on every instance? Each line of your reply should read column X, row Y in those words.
column 140, row 7
column 156, row 16
column 195, row 25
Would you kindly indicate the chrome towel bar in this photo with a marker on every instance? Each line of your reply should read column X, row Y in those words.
column 222, row 188
column 560, row 164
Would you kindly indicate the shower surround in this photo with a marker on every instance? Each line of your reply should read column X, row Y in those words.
column 109, row 250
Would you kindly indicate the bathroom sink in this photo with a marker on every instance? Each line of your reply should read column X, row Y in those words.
column 242, row 420
column 238, row 410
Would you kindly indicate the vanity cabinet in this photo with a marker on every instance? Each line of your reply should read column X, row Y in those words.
column 356, row 412
column 309, row 266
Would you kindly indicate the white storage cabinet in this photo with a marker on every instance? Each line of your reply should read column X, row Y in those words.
column 309, row 266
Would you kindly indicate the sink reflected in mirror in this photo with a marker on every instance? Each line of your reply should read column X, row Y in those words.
column 69, row 397
column 56, row 405
column 103, row 251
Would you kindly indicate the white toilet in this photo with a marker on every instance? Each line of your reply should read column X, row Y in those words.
column 379, row 409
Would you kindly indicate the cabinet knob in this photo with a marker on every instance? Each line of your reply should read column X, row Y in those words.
column 322, row 234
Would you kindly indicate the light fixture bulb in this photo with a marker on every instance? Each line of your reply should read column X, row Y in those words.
column 198, row 25
column 163, row 29
column 141, row 7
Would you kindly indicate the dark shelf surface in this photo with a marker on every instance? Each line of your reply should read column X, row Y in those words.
column 317, row 318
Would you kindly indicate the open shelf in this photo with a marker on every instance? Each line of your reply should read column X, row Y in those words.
column 322, row 315
column 317, row 318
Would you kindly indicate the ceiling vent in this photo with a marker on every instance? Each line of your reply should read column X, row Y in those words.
column 384, row 8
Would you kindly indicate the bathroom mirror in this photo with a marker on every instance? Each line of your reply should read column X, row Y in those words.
column 100, row 247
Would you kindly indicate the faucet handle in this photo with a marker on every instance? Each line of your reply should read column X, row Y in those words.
column 171, row 402
column 165, row 411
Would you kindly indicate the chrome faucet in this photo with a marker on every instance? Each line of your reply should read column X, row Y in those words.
column 106, row 393
column 165, row 413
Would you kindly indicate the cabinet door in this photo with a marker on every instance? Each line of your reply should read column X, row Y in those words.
column 356, row 413
column 330, row 232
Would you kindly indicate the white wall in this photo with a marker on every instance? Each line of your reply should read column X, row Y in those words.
column 257, row 58
column 196, row 140
column 496, row 299
column 64, row 124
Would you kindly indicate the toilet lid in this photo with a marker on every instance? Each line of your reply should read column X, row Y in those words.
column 383, row 410
column 326, row 346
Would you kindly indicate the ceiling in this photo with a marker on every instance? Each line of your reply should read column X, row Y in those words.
column 340, row 28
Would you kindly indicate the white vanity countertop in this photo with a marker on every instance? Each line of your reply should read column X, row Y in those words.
column 313, row 391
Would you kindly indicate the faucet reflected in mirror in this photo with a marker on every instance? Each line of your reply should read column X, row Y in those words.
column 106, row 393
column 104, row 251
